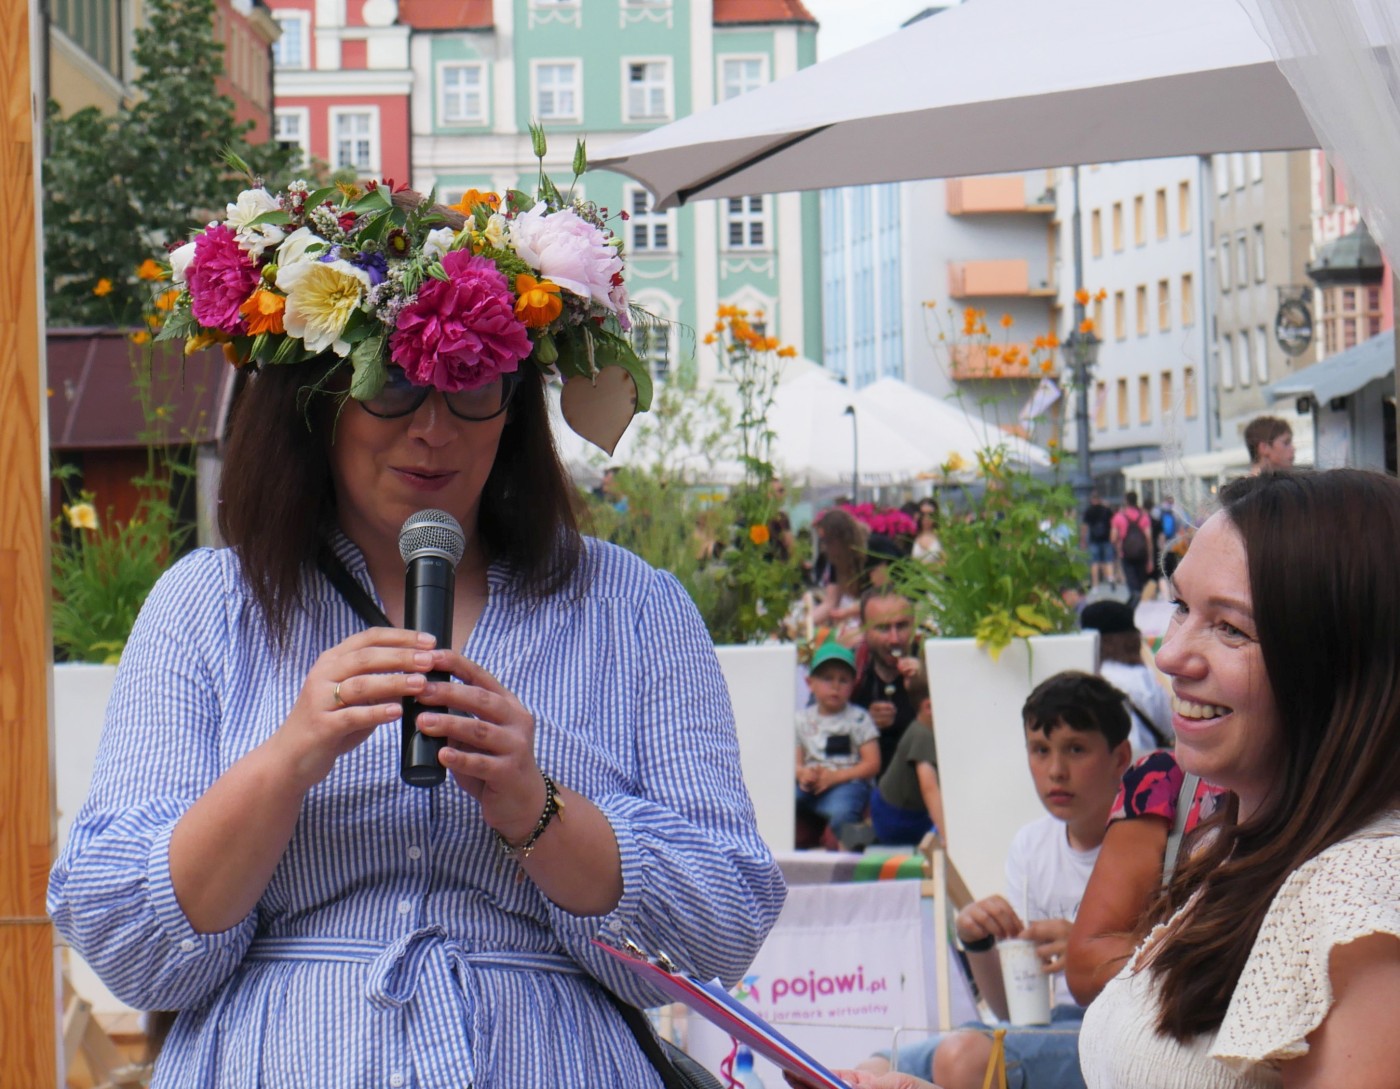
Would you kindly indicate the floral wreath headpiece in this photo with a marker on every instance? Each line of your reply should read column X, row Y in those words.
column 380, row 278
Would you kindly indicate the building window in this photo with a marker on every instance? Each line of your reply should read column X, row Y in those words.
column 646, row 92
column 1164, row 305
column 1241, row 260
column 1188, row 299
column 462, row 94
column 1188, row 380
column 1099, row 327
column 652, row 343
column 1096, row 232
column 1165, row 386
column 1256, row 166
column 740, row 75
column 649, row 231
column 1245, row 368
column 1162, row 227
column 1222, row 265
column 1145, row 399
column 1120, row 315
column 1220, row 167
column 1259, row 267
column 355, row 140
column 1227, row 361
column 1142, row 310
column 1261, row 354
column 1183, row 206
column 1139, row 221
column 289, row 129
column 291, row 49
column 1122, row 402
column 1101, row 405
column 1237, row 169
column 1118, row 226
column 745, row 223
column 558, row 95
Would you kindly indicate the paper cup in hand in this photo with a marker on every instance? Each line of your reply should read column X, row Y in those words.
column 1027, row 987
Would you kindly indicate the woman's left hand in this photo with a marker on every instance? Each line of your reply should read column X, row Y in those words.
column 490, row 749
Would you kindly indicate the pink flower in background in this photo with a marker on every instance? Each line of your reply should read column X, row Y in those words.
column 570, row 251
column 891, row 522
column 462, row 332
column 220, row 280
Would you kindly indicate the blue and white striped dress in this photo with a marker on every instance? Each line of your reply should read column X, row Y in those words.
column 393, row 947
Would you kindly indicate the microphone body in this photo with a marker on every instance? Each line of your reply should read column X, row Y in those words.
column 431, row 553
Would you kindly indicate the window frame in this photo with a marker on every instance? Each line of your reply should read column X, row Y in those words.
column 667, row 86
column 747, row 218
column 483, row 92
column 334, row 116
column 303, row 116
column 292, row 15
column 537, row 65
column 649, row 220
column 721, row 83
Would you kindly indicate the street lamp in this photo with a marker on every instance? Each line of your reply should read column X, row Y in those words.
column 1081, row 353
column 855, row 455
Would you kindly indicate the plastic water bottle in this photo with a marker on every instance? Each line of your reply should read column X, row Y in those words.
column 744, row 1071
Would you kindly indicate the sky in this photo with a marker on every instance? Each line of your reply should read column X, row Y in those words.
column 846, row 24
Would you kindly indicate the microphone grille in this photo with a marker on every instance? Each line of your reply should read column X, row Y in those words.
column 432, row 533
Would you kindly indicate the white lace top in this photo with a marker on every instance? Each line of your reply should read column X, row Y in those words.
column 1349, row 891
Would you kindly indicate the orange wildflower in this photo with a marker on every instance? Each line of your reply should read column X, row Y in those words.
column 1047, row 366
column 149, row 270
column 140, row 337
column 771, row 344
column 474, row 198
column 1101, row 295
column 996, row 372
column 1007, row 321
column 166, row 300
column 709, row 338
column 1082, row 297
column 537, row 302
column 758, row 533
column 102, row 288
column 1052, row 340
column 1086, row 326
column 787, row 352
column 262, row 311
column 993, row 351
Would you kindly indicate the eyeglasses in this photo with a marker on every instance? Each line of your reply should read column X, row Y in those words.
column 400, row 397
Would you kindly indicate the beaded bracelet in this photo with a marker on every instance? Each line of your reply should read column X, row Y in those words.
column 553, row 805
column 981, row 945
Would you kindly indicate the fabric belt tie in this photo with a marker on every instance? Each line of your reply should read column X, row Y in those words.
column 427, row 974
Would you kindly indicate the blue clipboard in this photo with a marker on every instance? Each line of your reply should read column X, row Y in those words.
column 712, row 1002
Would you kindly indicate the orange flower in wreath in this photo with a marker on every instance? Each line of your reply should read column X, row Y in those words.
column 537, row 302
column 262, row 311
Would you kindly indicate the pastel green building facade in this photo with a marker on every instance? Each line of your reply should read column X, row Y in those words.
column 604, row 70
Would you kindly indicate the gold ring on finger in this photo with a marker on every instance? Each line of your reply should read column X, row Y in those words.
column 339, row 699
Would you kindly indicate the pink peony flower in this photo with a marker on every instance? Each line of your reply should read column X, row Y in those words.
column 460, row 333
column 570, row 251
column 220, row 280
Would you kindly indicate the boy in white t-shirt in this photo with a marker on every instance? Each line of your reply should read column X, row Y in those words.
column 837, row 748
column 1077, row 745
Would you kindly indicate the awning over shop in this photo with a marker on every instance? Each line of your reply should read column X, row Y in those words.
column 92, row 394
column 1340, row 375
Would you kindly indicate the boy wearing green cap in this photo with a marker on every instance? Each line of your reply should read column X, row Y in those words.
column 837, row 748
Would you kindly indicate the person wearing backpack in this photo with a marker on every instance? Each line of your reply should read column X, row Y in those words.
column 1132, row 540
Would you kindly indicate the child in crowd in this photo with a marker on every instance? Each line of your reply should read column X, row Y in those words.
column 1077, row 745
column 837, row 750
column 907, row 802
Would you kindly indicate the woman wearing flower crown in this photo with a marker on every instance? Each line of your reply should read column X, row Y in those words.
column 248, row 855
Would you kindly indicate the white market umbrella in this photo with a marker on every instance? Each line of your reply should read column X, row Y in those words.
column 989, row 86
column 940, row 428
column 815, row 442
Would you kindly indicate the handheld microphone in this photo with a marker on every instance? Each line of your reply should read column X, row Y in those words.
column 431, row 544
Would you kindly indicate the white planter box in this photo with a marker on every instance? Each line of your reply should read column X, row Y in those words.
column 987, row 788
column 762, row 685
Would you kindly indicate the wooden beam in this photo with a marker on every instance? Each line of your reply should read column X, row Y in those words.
column 29, row 1018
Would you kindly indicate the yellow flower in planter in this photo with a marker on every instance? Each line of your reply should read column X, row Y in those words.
column 81, row 516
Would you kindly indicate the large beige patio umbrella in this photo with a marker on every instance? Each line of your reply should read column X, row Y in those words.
column 992, row 85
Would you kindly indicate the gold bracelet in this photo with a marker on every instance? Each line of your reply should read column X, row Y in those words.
column 553, row 806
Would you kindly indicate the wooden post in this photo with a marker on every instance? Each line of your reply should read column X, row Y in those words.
column 29, row 1040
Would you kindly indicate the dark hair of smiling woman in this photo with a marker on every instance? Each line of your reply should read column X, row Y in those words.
column 277, row 500
column 1325, row 588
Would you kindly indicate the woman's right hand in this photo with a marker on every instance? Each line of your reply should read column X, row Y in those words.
column 354, row 688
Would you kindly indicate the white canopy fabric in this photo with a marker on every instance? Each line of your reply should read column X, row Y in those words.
column 941, row 429
column 995, row 85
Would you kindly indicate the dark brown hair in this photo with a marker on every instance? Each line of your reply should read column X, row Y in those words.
column 1263, row 429
column 1082, row 701
column 1326, row 590
column 277, row 502
column 843, row 541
